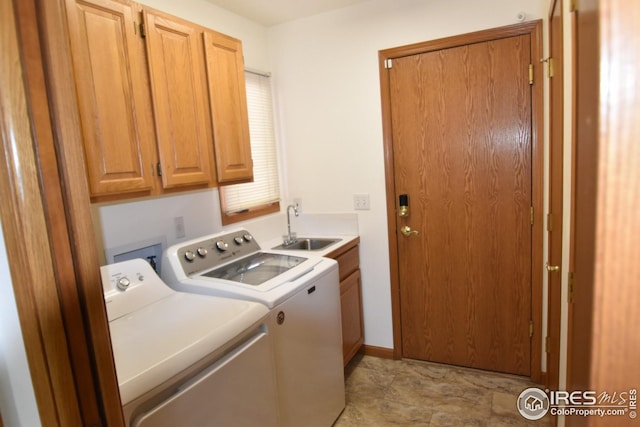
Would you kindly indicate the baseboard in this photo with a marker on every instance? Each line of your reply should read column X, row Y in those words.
column 382, row 352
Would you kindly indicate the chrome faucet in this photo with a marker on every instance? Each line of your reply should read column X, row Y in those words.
column 290, row 237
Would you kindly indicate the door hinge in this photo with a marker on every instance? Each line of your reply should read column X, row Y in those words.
column 143, row 32
column 159, row 169
column 549, row 62
column 547, row 344
column 388, row 63
column 531, row 215
column 530, row 74
column 549, row 222
column 571, row 285
column 530, row 328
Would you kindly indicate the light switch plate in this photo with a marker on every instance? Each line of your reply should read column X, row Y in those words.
column 361, row 202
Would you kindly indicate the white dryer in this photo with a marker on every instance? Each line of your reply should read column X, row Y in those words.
column 303, row 295
column 183, row 359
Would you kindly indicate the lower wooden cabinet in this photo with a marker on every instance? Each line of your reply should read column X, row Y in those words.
column 351, row 303
column 350, row 300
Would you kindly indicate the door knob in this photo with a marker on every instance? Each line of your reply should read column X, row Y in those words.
column 552, row 268
column 407, row 231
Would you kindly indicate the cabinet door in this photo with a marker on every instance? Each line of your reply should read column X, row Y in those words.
column 113, row 96
column 351, row 308
column 179, row 93
column 228, row 98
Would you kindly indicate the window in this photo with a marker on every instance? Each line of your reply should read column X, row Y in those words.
column 262, row 196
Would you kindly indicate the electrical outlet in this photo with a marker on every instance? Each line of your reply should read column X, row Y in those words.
column 178, row 223
column 297, row 202
column 361, row 202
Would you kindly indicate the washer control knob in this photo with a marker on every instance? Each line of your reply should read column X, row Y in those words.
column 123, row 283
column 222, row 245
column 239, row 240
column 189, row 256
column 248, row 237
column 202, row 252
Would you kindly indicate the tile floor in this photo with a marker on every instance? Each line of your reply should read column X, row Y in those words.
column 383, row 392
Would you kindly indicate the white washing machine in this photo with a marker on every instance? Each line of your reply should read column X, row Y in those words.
column 183, row 359
column 303, row 296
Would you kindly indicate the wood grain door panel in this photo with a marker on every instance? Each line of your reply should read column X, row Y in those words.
column 228, row 97
column 115, row 109
column 179, row 92
column 461, row 122
column 351, row 310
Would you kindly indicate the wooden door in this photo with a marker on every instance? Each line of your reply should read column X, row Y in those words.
column 555, row 217
column 179, row 90
column 113, row 96
column 228, row 97
column 461, row 120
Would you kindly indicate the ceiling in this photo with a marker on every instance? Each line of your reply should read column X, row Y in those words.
column 273, row 12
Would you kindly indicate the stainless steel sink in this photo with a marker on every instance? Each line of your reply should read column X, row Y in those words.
column 307, row 244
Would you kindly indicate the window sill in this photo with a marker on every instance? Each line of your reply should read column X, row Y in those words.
column 251, row 213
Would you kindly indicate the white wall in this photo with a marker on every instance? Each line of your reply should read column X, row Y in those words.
column 17, row 398
column 327, row 83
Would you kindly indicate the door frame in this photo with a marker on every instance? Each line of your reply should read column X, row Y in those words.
column 534, row 29
column 555, row 216
column 53, row 265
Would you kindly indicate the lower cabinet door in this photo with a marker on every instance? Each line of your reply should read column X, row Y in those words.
column 351, row 307
column 239, row 390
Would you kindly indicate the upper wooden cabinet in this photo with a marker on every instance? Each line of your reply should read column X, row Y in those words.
column 113, row 96
column 155, row 100
column 228, row 97
column 179, row 92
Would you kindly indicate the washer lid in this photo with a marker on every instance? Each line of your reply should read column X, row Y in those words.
column 257, row 268
column 153, row 344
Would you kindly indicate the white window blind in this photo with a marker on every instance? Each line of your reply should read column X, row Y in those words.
column 265, row 187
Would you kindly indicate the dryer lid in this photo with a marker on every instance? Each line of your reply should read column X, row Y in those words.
column 153, row 344
column 157, row 332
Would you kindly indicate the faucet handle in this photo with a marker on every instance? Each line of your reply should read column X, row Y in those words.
column 295, row 209
column 289, row 239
